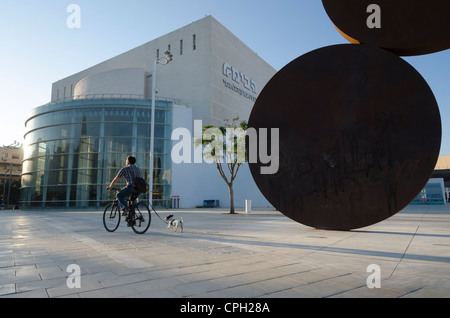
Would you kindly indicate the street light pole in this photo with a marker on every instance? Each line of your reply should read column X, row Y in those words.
column 163, row 61
column 4, row 186
column 9, row 183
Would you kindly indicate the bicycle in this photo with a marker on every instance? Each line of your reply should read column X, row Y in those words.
column 138, row 216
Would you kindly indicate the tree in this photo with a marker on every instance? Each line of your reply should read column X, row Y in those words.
column 231, row 153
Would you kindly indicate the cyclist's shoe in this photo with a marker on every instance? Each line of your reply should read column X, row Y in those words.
column 125, row 211
column 130, row 222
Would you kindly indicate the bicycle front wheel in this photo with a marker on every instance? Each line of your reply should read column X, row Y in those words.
column 111, row 217
column 142, row 218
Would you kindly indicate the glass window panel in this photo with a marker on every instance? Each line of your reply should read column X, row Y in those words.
column 86, row 160
column 57, row 177
column 163, row 105
column 56, row 118
column 162, row 116
column 31, row 194
column 162, row 161
column 162, row 176
column 143, row 115
column 118, row 129
column 90, row 129
column 40, row 164
column 41, row 149
column 58, row 162
column 32, row 124
column 119, row 114
column 157, row 191
column 143, row 130
column 55, row 193
column 114, row 161
column 28, row 180
column 58, row 147
column 38, row 146
column 27, row 165
column 87, row 144
column 84, row 176
column 110, row 174
column 142, row 145
column 107, row 196
column 122, row 145
column 163, row 146
column 85, row 193
column 30, row 151
column 141, row 161
column 92, row 114
column 57, row 132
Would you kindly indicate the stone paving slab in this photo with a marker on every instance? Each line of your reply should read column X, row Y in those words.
column 261, row 254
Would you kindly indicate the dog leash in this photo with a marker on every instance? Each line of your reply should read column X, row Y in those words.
column 157, row 214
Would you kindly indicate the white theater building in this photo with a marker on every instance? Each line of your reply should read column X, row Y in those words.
column 76, row 143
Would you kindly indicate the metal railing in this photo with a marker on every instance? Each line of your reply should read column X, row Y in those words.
column 114, row 96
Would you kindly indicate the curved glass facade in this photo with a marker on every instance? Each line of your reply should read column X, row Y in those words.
column 75, row 148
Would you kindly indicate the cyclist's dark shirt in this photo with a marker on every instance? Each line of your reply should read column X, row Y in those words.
column 129, row 173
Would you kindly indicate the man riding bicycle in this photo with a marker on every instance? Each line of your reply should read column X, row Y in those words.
column 129, row 172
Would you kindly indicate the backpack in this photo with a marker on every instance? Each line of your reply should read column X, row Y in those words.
column 140, row 185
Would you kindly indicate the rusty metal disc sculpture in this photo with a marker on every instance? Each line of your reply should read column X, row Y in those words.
column 359, row 136
column 404, row 27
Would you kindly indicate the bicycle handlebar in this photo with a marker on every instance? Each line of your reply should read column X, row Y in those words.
column 116, row 189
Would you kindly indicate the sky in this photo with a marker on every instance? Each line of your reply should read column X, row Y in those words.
column 38, row 48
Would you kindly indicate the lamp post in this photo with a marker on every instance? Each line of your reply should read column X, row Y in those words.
column 163, row 61
column 3, row 194
column 9, row 183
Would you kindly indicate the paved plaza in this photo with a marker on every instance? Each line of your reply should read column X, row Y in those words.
column 261, row 254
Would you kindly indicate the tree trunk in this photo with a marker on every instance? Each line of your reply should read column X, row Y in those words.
column 230, row 187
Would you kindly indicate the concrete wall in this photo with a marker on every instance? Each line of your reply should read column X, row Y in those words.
column 246, row 71
column 195, row 182
column 118, row 81
column 443, row 163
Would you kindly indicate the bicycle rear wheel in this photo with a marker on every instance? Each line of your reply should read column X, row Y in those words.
column 142, row 218
column 111, row 217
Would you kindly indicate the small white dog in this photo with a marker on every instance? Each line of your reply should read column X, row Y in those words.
column 175, row 223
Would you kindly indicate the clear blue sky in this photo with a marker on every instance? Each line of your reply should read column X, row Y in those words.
column 37, row 47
